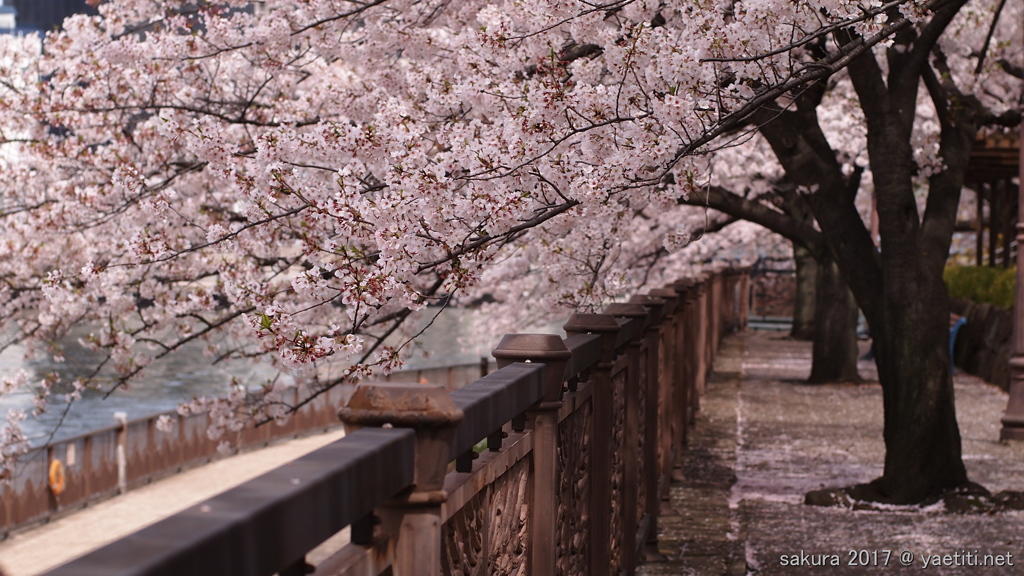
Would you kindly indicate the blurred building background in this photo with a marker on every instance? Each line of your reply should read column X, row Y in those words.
column 25, row 16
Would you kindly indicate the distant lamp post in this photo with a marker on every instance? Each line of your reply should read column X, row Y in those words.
column 1013, row 420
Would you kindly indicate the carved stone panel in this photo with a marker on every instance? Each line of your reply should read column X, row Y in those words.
column 488, row 536
column 618, row 467
column 574, row 492
column 462, row 540
column 507, row 531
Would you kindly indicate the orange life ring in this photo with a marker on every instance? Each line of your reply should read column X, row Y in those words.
column 57, row 478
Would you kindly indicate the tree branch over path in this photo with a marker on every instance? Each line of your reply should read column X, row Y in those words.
column 851, row 49
column 318, row 170
column 736, row 206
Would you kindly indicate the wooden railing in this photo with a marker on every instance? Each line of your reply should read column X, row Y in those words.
column 95, row 470
column 556, row 463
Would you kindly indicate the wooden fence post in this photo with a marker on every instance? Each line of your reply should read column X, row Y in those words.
column 413, row 519
column 668, row 417
column 703, row 305
column 602, row 556
column 682, row 392
column 656, row 310
column 744, row 296
column 690, row 350
column 635, row 449
column 716, row 314
column 551, row 350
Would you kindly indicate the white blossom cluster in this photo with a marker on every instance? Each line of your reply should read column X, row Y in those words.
column 291, row 181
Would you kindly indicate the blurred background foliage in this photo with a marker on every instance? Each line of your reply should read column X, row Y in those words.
column 982, row 284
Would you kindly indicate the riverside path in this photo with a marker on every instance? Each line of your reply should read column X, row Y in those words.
column 763, row 439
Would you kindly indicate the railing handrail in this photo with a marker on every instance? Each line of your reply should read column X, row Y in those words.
column 174, row 413
column 238, row 531
column 491, row 401
column 95, row 471
column 355, row 474
column 395, row 475
column 586, row 351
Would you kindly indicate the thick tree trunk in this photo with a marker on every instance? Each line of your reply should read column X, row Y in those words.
column 834, row 355
column 911, row 321
column 900, row 287
column 803, row 310
column 898, row 284
column 923, row 450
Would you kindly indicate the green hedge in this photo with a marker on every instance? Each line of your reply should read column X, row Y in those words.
column 981, row 284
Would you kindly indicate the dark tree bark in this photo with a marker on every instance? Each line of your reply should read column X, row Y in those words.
column 900, row 287
column 834, row 321
column 810, row 164
column 834, row 356
column 901, row 292
column 825, row 312
column 804, row 309
column 898, row 284
column 907, row 305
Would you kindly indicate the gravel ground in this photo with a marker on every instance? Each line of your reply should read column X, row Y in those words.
column 763, row 439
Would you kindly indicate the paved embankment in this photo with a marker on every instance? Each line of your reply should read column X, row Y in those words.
column 41, row 548
column 763, row 439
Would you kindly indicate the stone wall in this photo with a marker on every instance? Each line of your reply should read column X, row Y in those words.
column 983, row 345
column 773, row 294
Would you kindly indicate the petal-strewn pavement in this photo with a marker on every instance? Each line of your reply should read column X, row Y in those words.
column 763, row 439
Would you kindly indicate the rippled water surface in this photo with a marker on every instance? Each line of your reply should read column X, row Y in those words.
column 450, row 339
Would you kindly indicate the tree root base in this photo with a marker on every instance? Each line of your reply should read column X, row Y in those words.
column 970, row 498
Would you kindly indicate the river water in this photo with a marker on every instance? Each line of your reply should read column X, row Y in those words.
column 188, row 373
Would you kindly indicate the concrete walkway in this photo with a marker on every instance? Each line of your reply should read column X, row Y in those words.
column 763, row 439
column 49, row 545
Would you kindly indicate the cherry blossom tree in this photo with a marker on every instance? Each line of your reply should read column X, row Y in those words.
column 768, row 195
column 291, row 180
column 922, row 101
